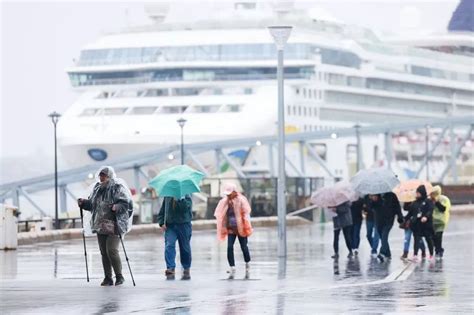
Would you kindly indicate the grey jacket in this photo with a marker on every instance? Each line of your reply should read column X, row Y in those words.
column 343, row 217
column 100, row 204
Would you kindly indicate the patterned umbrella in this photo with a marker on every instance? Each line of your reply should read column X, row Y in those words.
column 177, row 181
column 335, row 195
column 406, row 191
column 374, row 181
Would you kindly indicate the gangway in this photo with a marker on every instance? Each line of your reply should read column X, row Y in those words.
column 135, row 162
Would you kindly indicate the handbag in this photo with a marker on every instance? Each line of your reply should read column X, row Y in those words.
column 107, row 227
column 405, row 224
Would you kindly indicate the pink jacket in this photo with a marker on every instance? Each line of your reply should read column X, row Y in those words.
column 242, row 215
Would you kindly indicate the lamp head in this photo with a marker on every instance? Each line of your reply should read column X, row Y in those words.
column 280, row 35
column 181, row 122
column 54, row 117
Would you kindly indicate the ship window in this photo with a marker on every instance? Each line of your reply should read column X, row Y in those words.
column 205, row 108
column 144, row 110
column 288, row 110
column 89, row 112
column 127, row 93
column 186, row 91
column 172, row 109
column 247, row 91
column 156, row 92
column 115, row 111
column 233, row 108
column 245, row 5
column 104, row 95
column 423, row 71
column 299, row 110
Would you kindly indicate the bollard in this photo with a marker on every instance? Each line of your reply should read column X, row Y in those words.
column 8, row 227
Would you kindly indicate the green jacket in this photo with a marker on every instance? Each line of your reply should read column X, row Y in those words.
column 175, row 211
column 441, row 213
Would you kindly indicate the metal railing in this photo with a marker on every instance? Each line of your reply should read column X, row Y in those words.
column 66, row 223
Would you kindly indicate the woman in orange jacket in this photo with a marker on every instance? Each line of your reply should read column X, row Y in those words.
column 233, row 221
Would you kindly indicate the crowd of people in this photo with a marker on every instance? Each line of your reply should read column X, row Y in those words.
column 111, row 207
column 425, row 219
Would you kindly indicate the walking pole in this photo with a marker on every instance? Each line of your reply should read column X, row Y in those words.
column 84, row 240
column 126, row 257
column 124, row 251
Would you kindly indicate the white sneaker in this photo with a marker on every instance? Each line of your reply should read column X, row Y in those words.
column 247, row 267
column 231, row 271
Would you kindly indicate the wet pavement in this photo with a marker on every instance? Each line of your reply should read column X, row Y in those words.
column 50, row 278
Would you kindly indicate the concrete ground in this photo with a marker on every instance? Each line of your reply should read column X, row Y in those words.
column 49, row 278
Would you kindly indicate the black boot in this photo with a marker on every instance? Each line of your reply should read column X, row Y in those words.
column 108, row 281
column 119, row 280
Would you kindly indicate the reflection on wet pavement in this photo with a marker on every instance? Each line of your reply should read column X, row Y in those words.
column 50, row 278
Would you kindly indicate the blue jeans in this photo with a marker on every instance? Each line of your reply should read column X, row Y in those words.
column 356, row 235
column 384, row 231
column 406, row 243
column 372, row 236
column 181, row 233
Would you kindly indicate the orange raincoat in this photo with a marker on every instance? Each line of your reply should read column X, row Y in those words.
column 242, row 215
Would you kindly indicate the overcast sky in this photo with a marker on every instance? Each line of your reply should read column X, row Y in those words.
column 40, row 39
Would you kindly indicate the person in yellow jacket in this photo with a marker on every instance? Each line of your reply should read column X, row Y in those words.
column 442, row 207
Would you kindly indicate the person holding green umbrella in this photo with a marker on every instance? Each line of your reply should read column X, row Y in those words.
column 176, row 184
column 174, row 219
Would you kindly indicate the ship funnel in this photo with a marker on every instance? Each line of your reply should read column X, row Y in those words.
column 157, row 11
column 283, row 7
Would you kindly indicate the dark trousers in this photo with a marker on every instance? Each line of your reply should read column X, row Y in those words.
column 384, row 231
column 108, row 245
column 347, row 237
column 182, row 233
column 438, row 243
column 356, row 235
column 230, row 248
column 428, row 235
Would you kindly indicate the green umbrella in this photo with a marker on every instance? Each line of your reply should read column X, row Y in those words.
column 177, row 181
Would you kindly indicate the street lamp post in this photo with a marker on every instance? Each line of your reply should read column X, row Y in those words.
column 280, row 36
column 427, row 147
column 55, row 118
column 181, row 123
column 359, row 148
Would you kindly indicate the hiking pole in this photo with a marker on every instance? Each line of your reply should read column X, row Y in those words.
column 126, row 257
column 84, row 240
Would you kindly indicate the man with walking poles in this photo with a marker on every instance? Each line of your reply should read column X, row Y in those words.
column 111, row 207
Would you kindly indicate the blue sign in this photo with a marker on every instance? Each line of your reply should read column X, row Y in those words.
column 97, row 154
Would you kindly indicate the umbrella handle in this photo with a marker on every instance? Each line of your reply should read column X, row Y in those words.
column 166, row 201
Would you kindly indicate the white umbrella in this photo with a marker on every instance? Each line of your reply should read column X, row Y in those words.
column 374, row 181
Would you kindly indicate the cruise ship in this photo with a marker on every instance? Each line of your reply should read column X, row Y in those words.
column 219, row 73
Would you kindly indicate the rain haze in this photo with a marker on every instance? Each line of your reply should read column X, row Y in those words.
column 39, row 40
column 332, row 138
